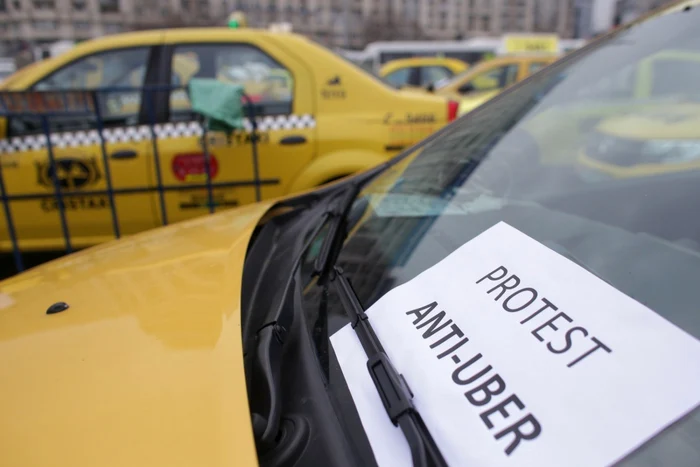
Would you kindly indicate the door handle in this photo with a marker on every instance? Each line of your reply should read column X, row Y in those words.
column 296, row 139
column 125, row 154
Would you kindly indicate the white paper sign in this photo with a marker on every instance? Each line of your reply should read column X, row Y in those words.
column 517, row 356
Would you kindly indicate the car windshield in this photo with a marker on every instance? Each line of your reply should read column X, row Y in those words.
column 597, row 157
column 444, row 82
column 459, row 77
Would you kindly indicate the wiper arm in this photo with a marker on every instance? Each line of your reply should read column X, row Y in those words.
column 266, row 363
column 338, row 230
column 271, row 337
column 393, row 390
column 391, row 385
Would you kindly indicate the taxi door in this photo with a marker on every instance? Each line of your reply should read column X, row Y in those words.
column 280, row 89
column 77, row 151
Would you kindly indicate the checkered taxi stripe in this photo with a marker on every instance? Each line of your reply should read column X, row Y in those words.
column 143, row 132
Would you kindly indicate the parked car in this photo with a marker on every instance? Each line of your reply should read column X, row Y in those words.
column 319, row 118
column 420, row 71
column 486, row 79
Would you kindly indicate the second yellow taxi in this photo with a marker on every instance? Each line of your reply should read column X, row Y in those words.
column 488, row 78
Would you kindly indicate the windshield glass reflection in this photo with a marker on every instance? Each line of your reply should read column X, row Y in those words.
column 597, row 157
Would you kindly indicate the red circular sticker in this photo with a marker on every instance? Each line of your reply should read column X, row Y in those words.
column 191, row 165
column 255, row 98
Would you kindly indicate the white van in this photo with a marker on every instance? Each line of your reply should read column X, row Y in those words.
column 7, row 67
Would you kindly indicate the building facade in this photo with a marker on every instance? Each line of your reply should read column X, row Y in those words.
column 356, row 22
column 28, row 24
column 593, row 17
column 629, row 10
column 344, row 23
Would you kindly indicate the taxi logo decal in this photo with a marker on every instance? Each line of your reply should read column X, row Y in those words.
column 191, row 166
column 408, row 119
column 336, row 91
column 143, row 133
column 72, row 173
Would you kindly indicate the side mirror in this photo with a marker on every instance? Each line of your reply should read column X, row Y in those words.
column 430, row 87
column 466, row 88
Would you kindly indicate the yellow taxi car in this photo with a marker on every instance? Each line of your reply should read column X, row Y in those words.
column 486, row 79
column 420, row 71
column 310, row 106
column 313, row 329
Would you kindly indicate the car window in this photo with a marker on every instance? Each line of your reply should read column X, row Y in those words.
column 496, row 78
column 432, row 74
column 265, row 81
column 125, row 68
column 399, row 77
column 99, row 71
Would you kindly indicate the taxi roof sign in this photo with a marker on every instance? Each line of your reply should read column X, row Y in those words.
column 530, row 43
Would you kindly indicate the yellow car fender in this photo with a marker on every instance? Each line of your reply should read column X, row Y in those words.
column 335, row 165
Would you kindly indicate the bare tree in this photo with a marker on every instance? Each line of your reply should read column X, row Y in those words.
column 157, row 14
column 546, row 13
column 395, row 25
column 390, row 29
column 374, row 30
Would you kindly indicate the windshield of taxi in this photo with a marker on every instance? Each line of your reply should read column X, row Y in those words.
column 480, row 71
column 597, row 157
column 442, row 83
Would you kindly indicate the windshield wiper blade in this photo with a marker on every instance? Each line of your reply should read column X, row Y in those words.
column 391, row 385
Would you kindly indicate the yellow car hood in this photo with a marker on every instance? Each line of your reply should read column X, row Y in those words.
column 145, row 367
